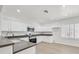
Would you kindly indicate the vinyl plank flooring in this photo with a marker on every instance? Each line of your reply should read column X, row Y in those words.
column 56, row 48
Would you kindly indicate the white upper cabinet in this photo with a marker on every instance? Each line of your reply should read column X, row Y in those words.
column 12, row 25
column 5, row 25
column 17, row 26
column 43, row 29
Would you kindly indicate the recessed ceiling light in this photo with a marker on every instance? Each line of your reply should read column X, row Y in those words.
column 18, row 10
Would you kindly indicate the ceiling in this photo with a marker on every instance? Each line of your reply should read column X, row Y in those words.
column 36, row 14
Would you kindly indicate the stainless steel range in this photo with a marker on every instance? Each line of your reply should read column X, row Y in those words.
column 32, row 38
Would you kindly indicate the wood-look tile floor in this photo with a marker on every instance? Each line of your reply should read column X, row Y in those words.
column 56, row 48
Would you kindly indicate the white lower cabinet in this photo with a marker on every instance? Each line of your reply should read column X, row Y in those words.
column 6, row 50
column 47, row 39
column 44, row 39
column 39, row 39
column 31, row 50
column 25, row 39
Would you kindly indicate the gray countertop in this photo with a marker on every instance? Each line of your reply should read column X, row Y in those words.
column 21, row 36
column 22, row 46
column 17, row 46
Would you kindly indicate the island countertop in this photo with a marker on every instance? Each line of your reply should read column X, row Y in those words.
column 20, row 46
column 5, row 42
column 17, row 46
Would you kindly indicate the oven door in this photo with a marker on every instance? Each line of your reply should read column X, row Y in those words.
column 33, row 40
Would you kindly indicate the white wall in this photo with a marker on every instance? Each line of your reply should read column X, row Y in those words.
column 0, row 25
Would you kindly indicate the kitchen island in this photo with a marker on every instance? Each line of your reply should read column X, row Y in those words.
column 23, row 47
column 12, row 46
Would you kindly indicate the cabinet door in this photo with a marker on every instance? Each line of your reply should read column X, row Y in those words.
column 39, row 39
column 25, row 39
column 17, row 26
column 6, row 50
column 5, row 25
column 31, row 50
column 44, row 39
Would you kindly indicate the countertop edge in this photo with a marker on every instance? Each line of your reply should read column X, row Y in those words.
column 1, row 46
column 21, row 36
column 23, row 49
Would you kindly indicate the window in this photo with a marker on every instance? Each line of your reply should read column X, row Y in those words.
column 68, row 31
column 76, row 31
